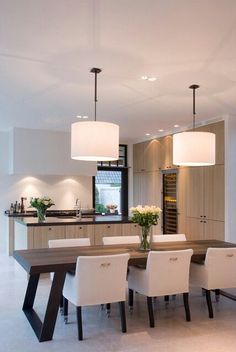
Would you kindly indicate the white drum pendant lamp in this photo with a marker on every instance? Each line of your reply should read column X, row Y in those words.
column 194, row 148
column 95, row 140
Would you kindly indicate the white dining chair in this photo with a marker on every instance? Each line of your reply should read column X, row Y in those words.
column 120, row 240
column 67, row 242
column 167, row 273
column 97, row 280
column 168, row 238
column 217, row 272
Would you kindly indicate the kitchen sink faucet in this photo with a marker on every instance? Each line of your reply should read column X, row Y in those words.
column 77, row 207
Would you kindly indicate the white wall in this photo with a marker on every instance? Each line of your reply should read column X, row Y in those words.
column 230, row 179
column 62, row 189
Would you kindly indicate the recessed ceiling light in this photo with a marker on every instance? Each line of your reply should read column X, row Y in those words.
column 152, row 79
column 148, row 78
column 161, row 130
column 82, row 117
column 147, row 134
column 176, row 126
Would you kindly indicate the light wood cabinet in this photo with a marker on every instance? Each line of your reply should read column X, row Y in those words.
column 42, row 234
column 203, row 229
column 181, row 199
column 138, row 157
column 130, row 229
column 205, row 192
column 219, row 130
column 80, row 231
column 166, row 152
column 214, row 230
column 194, row 192
column 147, row 188
column 200, row 190
column 214, row 183
column 194, row 229
column 147, row 156
column 104, row 230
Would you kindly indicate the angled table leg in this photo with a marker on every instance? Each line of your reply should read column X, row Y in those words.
column 44, row 330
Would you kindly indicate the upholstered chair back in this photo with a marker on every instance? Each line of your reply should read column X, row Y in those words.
column 168, row 238
column 220, row 264
column 69, row 242
column 168, row 272
column 98, row 280
column 120, row 240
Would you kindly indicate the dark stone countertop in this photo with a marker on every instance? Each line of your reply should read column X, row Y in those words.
column 33, row 213
column 70, row 220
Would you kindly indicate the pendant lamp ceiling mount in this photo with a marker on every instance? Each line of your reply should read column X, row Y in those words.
column 95, row 140
column 194, row 87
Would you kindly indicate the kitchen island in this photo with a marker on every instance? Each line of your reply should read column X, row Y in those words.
column 29, row 233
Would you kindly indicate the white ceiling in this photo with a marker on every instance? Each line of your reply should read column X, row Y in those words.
column 47, row 48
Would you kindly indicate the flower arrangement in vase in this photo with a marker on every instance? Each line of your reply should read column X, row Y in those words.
column 41, row 205
column 111, row 208
column 145, row 217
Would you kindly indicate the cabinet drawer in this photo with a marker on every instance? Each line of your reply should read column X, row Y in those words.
column 130, row 229
column 80, row 231
column 42, row 234
column 104, row 230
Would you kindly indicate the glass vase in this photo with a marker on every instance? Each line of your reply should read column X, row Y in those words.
column 145, row 238
column 41, row 214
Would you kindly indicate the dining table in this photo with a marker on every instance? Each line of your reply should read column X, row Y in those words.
column 62, row 260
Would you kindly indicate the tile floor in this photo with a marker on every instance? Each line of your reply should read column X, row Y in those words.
column 102, row 334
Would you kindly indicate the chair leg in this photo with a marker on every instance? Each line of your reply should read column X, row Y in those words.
column 131, row 299
column 150, row 312
column 209, row 304
column 186, row 306
column 167, row 298
column 61, row 304
column 65, row 309
column 108, row 307
column 79, row 323
column 122, row 316
column 217, row 295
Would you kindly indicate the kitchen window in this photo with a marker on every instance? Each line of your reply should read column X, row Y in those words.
column 110, row 185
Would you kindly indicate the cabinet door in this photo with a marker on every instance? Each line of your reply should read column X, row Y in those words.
column 101, row 231
column 194, row 192
column 152, row 155
column 138, row 196
column 80, row 231
column 147, row 188
column 42, row 234
column 219, row 130
column 214, row 202
column 194, row 229
column 182, row 223
column 138, row 151
column 151, row 188
column 130, row 229
column 166, row 152
column 214, row 230
column 181, row 190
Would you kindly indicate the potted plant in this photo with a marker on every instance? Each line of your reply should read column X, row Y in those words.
column 145, row 217
column 111, row 208
column 41, row 205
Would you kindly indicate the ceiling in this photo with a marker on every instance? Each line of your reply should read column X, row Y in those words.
column 48, row 47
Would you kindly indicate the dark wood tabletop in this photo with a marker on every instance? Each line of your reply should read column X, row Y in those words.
column 45, row 260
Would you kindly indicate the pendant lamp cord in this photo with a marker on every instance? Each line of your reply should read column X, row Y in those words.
column 95, row 71
column 194, row 87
